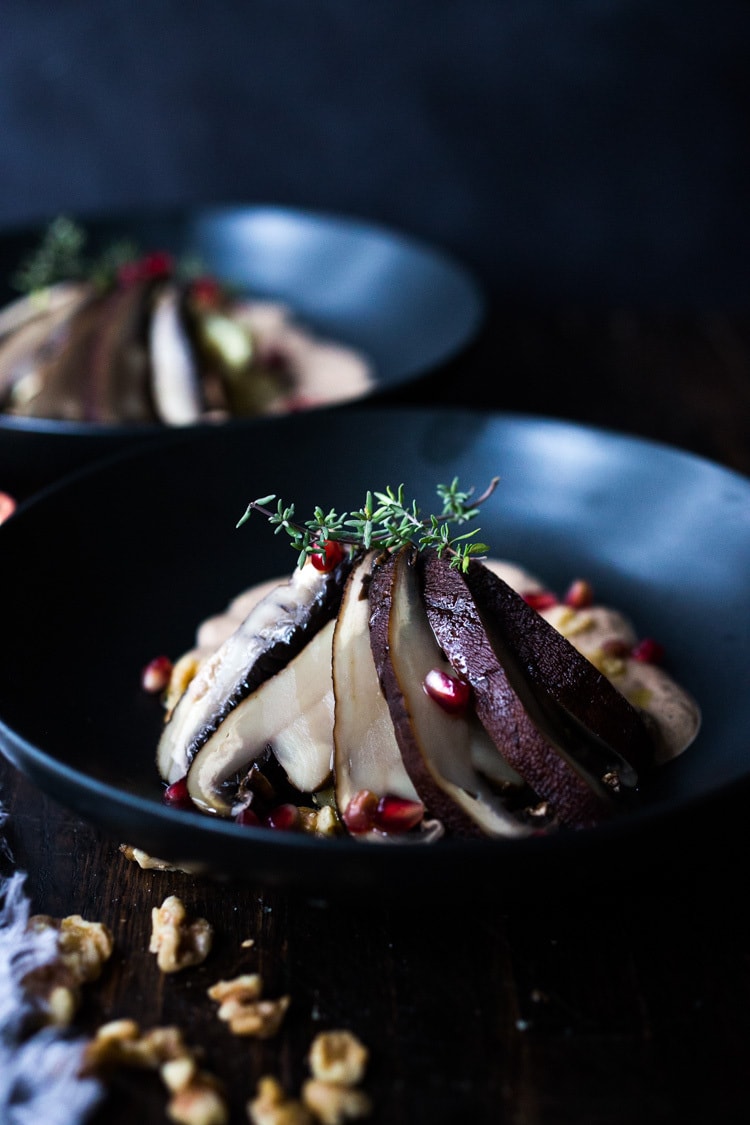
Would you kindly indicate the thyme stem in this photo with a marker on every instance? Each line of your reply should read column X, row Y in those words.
column 385, row 521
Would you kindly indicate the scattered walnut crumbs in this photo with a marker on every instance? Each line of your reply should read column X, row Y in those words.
column 271, row 1106
column 196, row 1096
column 144, row 860
column 177, row 942
column 333, row 1104
column 241, row 1006
column 82, row 949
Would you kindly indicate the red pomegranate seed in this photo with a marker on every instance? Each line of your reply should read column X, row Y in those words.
column 579, row 594
column 284, row 818
column 153, row 266
column 7, row 506
column 157, row 264
column 177, row 794
column 359, row 814
column 247, row 817
column 327, row 556
column 452, row 694
column 397, row 814
column 206, row 292
column 648, row 651
column 156, row 675
column 299, row 403
column 539, row 599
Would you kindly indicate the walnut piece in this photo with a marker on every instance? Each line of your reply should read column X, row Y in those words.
column 82, row 949
column 199, row 1102
column 339, row 1057
column 241, row 1006
column 196, row 1096
column 120, row 1043
column 144, row 860
column 324, row 821
column 271, row 1106
column 332, row 1103
column 177, row 942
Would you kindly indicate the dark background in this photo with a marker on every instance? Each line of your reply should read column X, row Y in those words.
column 590, row 150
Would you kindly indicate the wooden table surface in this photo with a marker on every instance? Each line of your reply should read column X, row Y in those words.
column 602, row 1003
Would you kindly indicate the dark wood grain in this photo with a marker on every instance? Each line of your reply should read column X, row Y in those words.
column 602, row 1004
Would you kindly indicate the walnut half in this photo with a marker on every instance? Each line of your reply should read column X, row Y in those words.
column 178, row 942
column 242, row 1007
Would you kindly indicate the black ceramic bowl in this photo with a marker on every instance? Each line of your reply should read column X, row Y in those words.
column 121, row 562
column 403, row 305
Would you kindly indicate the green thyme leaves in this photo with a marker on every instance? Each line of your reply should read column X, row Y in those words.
column 386, row 521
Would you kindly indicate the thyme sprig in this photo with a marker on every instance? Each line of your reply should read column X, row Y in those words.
column 386, row 521
column 63, row 255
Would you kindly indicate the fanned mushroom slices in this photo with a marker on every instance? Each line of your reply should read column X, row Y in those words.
column 333, row 676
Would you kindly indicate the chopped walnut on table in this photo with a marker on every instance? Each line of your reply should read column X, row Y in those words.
column 152, row 863
column 271, row 1106
column 177, row 941
column 82, row 949
column 338, row 1061
column 242, row 1007
column 196, row 1096
column 332, row 1104
column 338, row 1056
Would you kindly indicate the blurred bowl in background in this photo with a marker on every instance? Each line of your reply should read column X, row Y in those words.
column 403, row 306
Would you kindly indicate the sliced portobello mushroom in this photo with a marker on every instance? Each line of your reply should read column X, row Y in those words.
column 275, row 630
column 36, row 328
column 291, row 714
column 366, row 752
column 575, row 739
column 439, row 749
column 97, row 372
column 52, row 300
column 175, row 374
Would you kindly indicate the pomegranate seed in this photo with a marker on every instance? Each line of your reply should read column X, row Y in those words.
column 397, row 814
column 452, row 694
column 648, row 651
column 156, row 675
column 298, row 403
column 157, row 264
column 247, row 817
column 359, row 814
column 327, row 556
column 284, row 818
column 579, row 594
column 206, row 292
column 539, row 599
column 151, row 267
column 177, row 794
column 7, row 506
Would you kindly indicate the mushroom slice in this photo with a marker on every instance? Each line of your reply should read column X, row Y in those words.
column 560, row 723
column 30, row 331
column 292, row 713
column 274, row 631
column 439, row 749
column 54, row 300
column 367, row 754
column 176, row 385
